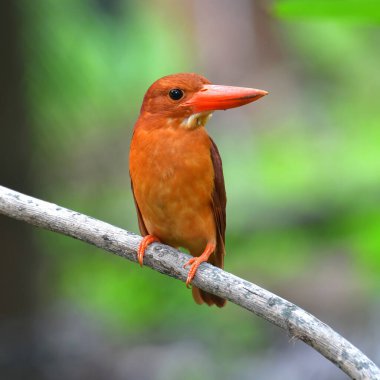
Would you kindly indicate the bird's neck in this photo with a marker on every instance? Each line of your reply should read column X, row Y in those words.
column 169, row 141
column 151, row 122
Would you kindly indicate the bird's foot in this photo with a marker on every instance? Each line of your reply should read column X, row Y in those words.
column 145, row 242
column 196, row 261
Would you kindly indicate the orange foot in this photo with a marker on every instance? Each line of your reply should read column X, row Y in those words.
column 196, row 261
column 147, row 240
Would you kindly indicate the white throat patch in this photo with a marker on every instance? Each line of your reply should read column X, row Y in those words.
column 196, row 120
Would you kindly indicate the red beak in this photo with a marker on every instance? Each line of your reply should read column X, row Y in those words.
column 213, row 97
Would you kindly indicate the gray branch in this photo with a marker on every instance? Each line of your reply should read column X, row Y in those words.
column 296, row 322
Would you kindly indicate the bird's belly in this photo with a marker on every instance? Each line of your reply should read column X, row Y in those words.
column 173, row 181
column 179, row 215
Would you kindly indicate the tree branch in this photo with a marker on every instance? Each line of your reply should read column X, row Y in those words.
column 295, row 321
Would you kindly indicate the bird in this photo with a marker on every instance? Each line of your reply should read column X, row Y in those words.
column 176, row 170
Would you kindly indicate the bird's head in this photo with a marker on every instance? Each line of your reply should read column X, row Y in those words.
column 189, row 99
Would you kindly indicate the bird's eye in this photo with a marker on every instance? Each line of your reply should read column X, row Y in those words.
column 176, row 94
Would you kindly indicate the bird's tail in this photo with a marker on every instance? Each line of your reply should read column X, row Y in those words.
column 199, row 295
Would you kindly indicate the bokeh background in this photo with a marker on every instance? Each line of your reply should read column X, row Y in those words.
column 302, row 171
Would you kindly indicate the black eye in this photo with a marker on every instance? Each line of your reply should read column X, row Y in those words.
column 176, row 93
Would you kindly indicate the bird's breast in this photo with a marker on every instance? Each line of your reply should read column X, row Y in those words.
column 173, row 180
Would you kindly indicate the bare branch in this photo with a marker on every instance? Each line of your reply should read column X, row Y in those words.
column 295, row 321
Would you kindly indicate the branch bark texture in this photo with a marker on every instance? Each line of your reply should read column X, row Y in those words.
column 295, row 321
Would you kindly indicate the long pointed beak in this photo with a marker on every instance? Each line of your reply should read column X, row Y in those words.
column 214, row 97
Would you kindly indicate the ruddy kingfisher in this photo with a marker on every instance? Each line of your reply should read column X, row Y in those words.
column 176, row 170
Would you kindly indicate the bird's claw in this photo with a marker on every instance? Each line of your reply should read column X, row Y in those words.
column 190, row 262
column 145, row 242
column 194, row 262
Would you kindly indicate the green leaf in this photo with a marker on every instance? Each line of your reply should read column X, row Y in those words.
column 367, row 11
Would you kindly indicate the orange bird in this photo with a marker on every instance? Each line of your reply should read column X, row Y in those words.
column 176, row 171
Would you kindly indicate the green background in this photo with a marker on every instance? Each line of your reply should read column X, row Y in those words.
column 302, row 172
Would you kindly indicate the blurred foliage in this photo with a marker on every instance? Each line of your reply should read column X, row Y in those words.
column 303, row 188
column 87, row 75
column 336, row 10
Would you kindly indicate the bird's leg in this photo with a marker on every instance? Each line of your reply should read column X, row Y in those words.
column 147, row 240
column 196, row 261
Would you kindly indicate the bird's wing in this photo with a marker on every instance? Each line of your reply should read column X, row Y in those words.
column 219, row 201
column 142, row 228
